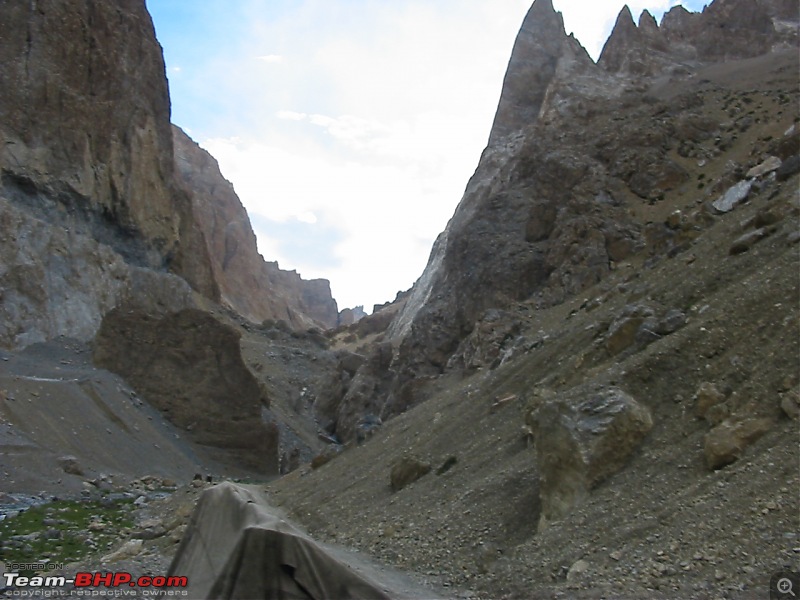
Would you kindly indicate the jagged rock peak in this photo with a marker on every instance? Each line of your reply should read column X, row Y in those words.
column 540, row 44
column 725, row 30
column 617, row 48
column 648, row 23
column 625, row 18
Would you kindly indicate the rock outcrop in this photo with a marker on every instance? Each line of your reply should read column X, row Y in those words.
column 256, row 289
column 582, row 438
column 189, row 366
column 350, row 316
column 406, row 471
column 537, row 217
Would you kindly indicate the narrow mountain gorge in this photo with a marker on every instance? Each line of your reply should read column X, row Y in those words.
column 592, row 390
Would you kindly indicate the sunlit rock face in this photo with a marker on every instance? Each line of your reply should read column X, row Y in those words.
column 86, row 110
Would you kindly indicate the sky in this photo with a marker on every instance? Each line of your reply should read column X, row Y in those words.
column 349, row 128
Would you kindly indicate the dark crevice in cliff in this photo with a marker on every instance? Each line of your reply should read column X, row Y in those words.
column 62, row 206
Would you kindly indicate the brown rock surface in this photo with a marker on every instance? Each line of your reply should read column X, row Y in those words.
column 406, row 471
column 189, row 366
column 86, row 108
column 727, row 441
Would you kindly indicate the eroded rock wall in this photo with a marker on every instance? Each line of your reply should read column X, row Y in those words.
column 86, row 109
column 86, row 173
column 256, row 289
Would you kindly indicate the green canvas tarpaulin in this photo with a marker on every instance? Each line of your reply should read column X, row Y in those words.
column 236, row 547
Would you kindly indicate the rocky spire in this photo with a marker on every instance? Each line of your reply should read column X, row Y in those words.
column 647, row 23
column 624, row 37
column 534, row 59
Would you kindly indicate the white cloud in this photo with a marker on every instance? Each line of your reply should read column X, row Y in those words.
column 307, row 217
column 270, row 58
column 388, row 216
column 290, row 115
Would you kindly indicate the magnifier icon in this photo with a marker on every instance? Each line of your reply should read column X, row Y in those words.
column 785, row 586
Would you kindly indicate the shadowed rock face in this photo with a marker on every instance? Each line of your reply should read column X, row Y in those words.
column 189, row 366
column 531, row 199
column 256, row 289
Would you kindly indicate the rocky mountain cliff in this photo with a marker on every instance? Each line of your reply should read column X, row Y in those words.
column 256, row 289
column 91, row 214
column 723, row 31
column 94, row 212
column 550, row 210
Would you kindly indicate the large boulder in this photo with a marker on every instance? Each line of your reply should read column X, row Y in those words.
column 406, row 471
column 582, row 438
column 727, row 441
column 189, row 366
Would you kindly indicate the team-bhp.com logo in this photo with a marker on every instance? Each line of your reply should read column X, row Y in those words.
column 96, row 580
